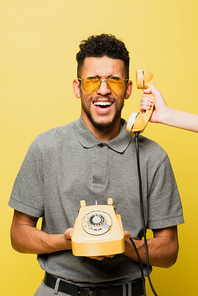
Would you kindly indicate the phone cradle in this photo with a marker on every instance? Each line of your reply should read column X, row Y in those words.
column 98, row 231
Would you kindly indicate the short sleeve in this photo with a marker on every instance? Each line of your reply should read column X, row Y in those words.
column 27, row 193
column 164, row 202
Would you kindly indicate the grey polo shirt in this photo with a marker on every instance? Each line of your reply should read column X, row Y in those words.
column 68, row 164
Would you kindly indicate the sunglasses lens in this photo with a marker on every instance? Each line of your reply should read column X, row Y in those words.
column 91, row 84
column 116, row 84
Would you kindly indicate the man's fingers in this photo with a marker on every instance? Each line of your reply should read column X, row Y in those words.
column 68, row 233
column 127, row 235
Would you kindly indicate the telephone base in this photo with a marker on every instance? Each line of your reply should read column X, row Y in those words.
column 90, row 248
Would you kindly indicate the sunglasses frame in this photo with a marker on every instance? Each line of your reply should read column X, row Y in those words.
column 101, row 80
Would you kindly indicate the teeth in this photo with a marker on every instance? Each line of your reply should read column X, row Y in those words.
column 102, row 104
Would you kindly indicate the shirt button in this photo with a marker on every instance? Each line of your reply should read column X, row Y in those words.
column 102, row 145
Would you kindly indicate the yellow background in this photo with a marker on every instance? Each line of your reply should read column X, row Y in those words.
column 38, row 43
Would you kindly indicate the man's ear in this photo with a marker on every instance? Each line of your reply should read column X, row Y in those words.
column 76, row 88
column 128, row 90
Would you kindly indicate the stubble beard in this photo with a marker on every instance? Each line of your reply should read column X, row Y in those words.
column 102, row 126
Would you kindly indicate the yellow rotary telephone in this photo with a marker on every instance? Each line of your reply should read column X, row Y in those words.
column 98, row 231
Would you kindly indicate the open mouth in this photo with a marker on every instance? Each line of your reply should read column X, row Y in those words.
column 102, row 104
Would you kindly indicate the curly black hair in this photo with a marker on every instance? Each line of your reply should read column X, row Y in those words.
column 103, row 45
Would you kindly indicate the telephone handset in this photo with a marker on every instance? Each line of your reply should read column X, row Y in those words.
column 98, row 231
column 137, row 121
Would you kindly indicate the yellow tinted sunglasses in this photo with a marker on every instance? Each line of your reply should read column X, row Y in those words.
column 92, row 83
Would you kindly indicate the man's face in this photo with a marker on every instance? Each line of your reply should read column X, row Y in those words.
column 102, row 108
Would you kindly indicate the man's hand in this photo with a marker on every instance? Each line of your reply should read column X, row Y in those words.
column 129, row 249
column 68, row 235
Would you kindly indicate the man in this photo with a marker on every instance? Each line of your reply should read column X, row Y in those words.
column 91, row 159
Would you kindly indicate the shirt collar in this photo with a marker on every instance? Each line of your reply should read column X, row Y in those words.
column 88, row 140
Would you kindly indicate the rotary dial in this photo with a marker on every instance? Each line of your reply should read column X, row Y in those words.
column 96, row 222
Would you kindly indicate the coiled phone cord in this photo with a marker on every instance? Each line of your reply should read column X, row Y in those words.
column 143, row 221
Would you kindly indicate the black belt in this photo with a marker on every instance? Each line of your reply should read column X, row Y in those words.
column 111, row 290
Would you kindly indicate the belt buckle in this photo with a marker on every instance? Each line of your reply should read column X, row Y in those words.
column 99, row 291
column 89, row 291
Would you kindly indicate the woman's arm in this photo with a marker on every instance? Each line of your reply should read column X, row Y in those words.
column 162, row 113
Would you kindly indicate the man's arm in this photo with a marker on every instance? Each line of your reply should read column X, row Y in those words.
column 26, row 238
column 162, row 249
